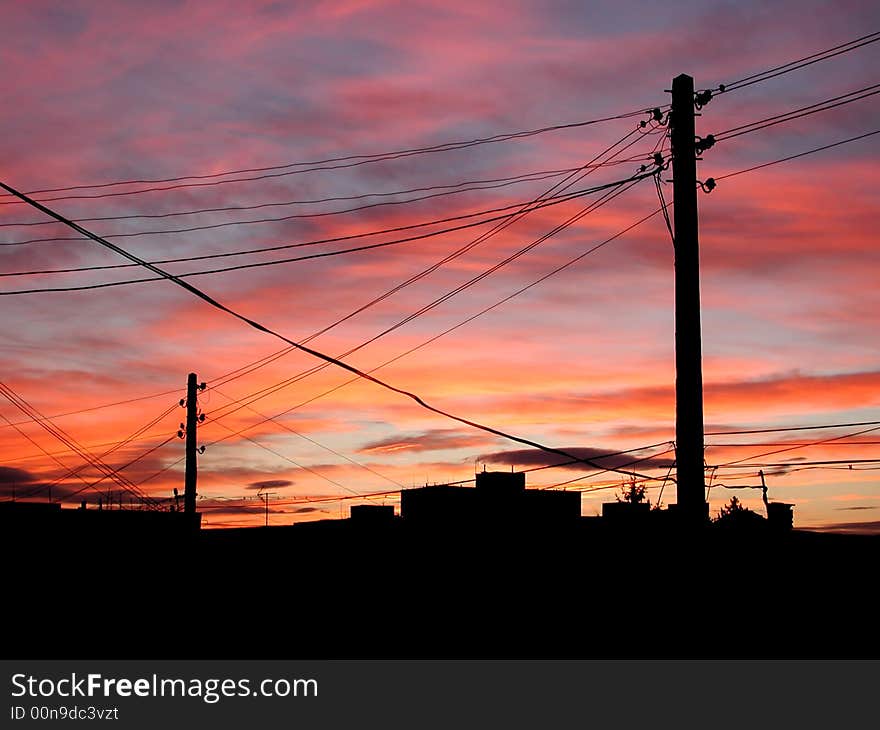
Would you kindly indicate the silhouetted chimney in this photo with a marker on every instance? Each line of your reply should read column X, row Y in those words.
column 780, row 516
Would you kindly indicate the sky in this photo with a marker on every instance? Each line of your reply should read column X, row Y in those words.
column 101, row 92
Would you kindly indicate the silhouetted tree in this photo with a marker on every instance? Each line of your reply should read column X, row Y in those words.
column 734, row 514
column 731, row 508
column 633, row 493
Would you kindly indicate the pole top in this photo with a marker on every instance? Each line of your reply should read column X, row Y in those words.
column 683, row 80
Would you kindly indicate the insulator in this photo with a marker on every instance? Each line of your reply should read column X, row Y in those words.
column 709, row 185
column 182, row 402
column 701, row 98
column 704, row 143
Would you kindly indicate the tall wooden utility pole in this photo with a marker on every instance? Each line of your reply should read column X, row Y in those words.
column 192, row 418
column 688, row 345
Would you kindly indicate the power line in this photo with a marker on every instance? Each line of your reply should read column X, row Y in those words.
column 300, row 376
column 409, row 281
column 629, row 463
column 480, row 239
column 295, row 463
column 67, row 452
column 281, row 353
column 664, row 207
column 88, row 485
column 102, row 406
column 276, row 355
column 324, row 254
column 736, row 173
column 799, row 465
column 40, row 447
column 788, row 443
column 108, row 472
column 286, row 501
column 161, row 471
column 114, row 447
column 154, row 501
column 335, row 239
column 282, row 501
column 275, row 388
column 316, row 164
column 502, row 182
column 730, row 175
column 804, row 111
column 797, row 447
column 799, row 63
column 739, row 130
column 596, row 456
column 272, row 389
column 541, row 201
column 800, row 154
column 780, row 429
column 267, row 330
column 312, row 441
column 277, row 262
column 279, row 219
column 439, row 300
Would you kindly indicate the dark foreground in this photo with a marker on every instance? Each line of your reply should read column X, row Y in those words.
column 457, row 592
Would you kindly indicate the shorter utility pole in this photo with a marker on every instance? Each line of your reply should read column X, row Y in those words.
column 192, row 420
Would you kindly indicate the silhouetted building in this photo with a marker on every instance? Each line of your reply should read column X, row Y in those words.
column 25, row 510
column 372, row 514
column 625, row 512
column 501, row 483
column 497, row 498
column 28, row 517
column 49, row 519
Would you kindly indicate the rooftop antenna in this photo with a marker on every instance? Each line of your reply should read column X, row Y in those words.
column 764, row 493
column 265, row 497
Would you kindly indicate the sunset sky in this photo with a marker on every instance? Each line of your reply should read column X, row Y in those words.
column 98, row 92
